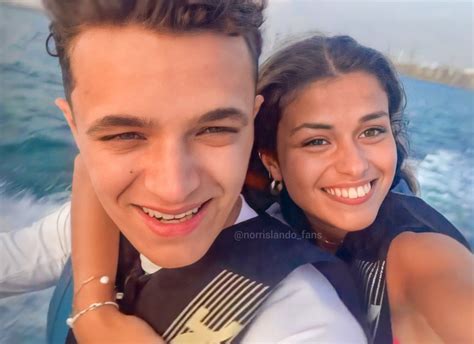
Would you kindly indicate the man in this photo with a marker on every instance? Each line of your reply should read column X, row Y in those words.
column 160, row 99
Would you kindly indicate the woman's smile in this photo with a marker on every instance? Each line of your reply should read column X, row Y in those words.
column 356, row 194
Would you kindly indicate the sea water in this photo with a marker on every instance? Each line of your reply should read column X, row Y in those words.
column 36, row 150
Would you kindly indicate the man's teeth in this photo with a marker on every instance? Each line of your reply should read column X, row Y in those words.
column 354, row 192
column 169, row 217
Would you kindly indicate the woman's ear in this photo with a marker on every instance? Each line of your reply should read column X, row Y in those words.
column 65, row 108
column 272, row 166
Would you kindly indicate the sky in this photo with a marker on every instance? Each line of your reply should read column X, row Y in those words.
column 423, row 31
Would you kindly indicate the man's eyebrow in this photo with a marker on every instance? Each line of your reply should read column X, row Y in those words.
column 111, row 121
column 311, row 126
column 224, row 113
column 372, row 116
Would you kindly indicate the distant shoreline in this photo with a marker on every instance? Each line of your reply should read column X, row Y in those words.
column 440, row 74
column 463, row 78
column 23, row 6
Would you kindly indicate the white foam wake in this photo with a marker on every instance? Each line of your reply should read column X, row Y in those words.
column 447, row 183
column 23, row 209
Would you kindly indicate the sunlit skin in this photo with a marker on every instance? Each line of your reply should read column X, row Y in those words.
column 160, row 123
column 336, row 133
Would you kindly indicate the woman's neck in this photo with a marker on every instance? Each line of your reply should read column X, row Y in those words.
column 328, row 237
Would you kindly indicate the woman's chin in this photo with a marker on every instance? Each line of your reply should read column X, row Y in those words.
column 356, row 224
column 347, row 224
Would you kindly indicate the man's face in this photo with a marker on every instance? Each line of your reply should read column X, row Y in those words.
column 164, row 124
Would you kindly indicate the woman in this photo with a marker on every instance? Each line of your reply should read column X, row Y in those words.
column 331, row 137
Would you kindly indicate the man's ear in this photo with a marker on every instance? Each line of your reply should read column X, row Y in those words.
column 272, row 166
column 63, row 105
column 257, row 103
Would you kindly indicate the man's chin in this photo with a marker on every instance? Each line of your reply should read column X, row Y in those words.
column 180, row 250
column 177, row 254
column 171, row 259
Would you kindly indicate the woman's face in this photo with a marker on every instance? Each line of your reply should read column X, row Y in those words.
column 336, row 151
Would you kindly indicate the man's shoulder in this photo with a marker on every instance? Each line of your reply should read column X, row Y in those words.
column 264, row 249
column 313, row 309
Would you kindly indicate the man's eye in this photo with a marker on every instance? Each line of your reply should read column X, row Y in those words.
column 123, row 137
column 316, row 142
column 217, row 130
column 372, row 132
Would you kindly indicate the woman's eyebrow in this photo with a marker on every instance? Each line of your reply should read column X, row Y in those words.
column 113, row 121
column 366, row 118
column 373, row 115
column 311, row 126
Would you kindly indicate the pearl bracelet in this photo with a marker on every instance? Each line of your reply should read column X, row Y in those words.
column 71, row 320
column 102, row 280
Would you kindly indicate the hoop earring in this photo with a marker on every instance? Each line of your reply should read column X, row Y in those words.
column 48, row 47
column 275, row 187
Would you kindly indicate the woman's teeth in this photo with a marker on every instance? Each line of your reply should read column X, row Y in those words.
column 353, row 192
column 169, row 218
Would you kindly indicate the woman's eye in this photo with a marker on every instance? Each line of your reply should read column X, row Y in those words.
column 124, row 137
column 316, row 142
column 372, row 132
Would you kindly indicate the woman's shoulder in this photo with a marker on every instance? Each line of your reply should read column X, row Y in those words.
column 409, row 213
column 425, row 247
column 418, row 259
column 400, row 216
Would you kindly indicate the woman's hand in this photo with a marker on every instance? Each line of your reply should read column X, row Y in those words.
column 95, row 242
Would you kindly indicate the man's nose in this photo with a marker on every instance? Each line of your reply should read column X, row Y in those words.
column 352, row 160
column 171, row 172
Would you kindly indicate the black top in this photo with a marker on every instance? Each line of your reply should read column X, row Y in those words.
column 366, row 252
column 215, row 298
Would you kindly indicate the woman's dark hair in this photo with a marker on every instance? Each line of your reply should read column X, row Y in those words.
column 230, row 17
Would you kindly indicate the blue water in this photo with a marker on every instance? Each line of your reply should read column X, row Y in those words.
column 37, row 151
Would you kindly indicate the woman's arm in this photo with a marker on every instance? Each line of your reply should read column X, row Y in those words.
column 433, row 274
column 95, row 242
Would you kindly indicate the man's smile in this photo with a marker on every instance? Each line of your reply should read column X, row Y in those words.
column 170, row 216
column 176, row 222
